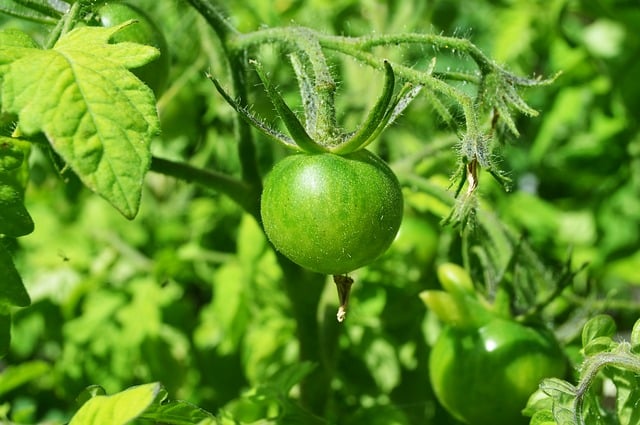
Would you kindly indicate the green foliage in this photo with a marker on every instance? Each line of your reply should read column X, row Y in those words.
column 607, row 388
column 186, row 314
column 100, row 123
column 118, row 409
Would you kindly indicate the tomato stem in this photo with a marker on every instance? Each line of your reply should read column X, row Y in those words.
column 244, row 194
column 343, row 283
column 237, row 70
column 64, row 25
column 304, row 291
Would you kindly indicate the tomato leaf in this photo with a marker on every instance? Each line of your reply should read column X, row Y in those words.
column 34, row 10
column 5, row 332
column 627, row 384
column 14, row 44
column 14, row 376
column 12, row 291
column 543, row 417
column 117, row 409
column 96, row 114
column 309, row 98
column 599, row 326
column 176, row 412
column 405, row 96
column 251, row 119
column 291, row 121
column 14, row 219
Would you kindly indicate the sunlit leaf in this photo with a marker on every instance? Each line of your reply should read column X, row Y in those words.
column 117, row 409
column 14, row 376
column 598, row 326
column 176, row 412
column 14, row 219
column 96, row 114
column 12, row 290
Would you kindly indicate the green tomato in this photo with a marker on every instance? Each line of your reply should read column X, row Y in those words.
column 331, row 213
column 485, row 375
column 144, row 31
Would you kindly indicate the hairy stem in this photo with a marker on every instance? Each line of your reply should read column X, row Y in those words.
column 244, row 194
column 354, row 47
column 64, row 25
column 213, row 15
column 324, row 86
column 622, row 359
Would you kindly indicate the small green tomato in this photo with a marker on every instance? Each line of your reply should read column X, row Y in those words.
column 485, row 375
column 331, row 213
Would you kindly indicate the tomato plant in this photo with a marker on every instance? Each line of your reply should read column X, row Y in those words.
column 144, row 31
column 330, row 213
column 207, row 280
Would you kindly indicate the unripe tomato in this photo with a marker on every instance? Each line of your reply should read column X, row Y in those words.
column 144, row 31
column 331, row 213
column 485, row 375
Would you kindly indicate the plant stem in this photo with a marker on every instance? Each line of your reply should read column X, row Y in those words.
column 324, row 88
column 245, row 195
column 64, row 25
column 440, row 41
column 237, row 71
column 304, row 289
column 212, row 14
column 472, row 141
column 621, row 358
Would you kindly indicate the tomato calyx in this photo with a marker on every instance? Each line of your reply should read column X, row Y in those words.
column 308, row 137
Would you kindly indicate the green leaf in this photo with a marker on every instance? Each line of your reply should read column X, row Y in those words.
column 291, row 121
column 597, row 345
column 14, row 219
column 627, row 384
column 601, row 325
column 14, row 44
column 15, row 376
column 45, row 7
column 251, row 119
column 117, row 409
column 12, row 290
column 543, row 417
column 96, row 114
column 635, row 337
column 176, row 412
column 564, row 395
column 34, row 10
column 5, row 332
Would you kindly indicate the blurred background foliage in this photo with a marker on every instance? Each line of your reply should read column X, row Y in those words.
column 190, row 293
